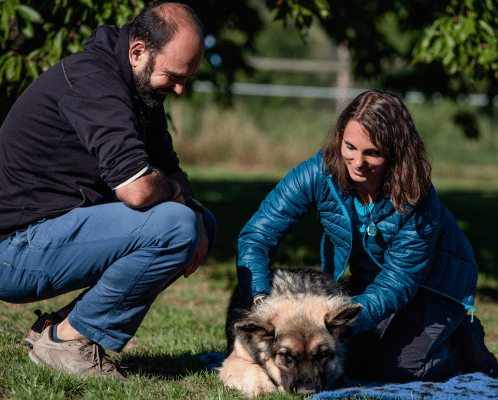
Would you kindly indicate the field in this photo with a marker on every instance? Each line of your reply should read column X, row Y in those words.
column 188, row 318
column 239, row 156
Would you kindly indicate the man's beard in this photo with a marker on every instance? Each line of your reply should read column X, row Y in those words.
column 146, row 91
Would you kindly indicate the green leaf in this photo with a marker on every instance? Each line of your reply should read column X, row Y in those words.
column 28, row 31
column 7, row 14
column 5, row 60
column 55, row 48
column 468, row 26
column 467, row 5
column 463, row 56
column 31, row 69
column 69, row 14
column 85, row 30
column 29, row 14
column 487, row 56
column 74, row 48
column 487, row 28
column 448, row 57
column 453, row 69
column 437, row 47
column 87, row 3
column 10, row 68
column 322, row 5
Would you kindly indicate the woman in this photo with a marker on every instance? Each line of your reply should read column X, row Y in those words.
column 412, row 268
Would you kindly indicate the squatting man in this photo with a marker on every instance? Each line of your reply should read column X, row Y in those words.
column 89, row 130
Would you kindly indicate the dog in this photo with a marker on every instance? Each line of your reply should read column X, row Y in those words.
column 291, row 341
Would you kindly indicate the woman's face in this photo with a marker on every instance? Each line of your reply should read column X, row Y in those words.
column 365, row 165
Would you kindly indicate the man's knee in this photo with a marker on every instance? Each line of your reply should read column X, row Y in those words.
column 171, row 223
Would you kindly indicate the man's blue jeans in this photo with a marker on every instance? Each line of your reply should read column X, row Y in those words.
column 126, row 256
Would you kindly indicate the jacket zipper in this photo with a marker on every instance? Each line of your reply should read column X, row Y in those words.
column 346, row 214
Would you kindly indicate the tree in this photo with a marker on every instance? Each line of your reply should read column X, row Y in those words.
column 449, row 47
column 34, row 35
column 404, row 44
column 463, row 39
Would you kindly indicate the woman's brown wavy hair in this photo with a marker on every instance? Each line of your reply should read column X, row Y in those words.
column 408, row 174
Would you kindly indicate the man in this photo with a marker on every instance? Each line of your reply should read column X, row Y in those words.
column 88, row 130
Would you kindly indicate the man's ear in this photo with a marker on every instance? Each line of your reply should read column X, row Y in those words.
column 138, row 54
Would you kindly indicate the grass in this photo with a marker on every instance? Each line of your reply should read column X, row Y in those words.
column 187, row 319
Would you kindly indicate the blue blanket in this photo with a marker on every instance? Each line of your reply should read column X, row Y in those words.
column 475, row 386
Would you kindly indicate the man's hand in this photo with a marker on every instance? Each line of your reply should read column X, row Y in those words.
column 201, row 252
column 202, row 246
column 148, row 190
column 178, row 194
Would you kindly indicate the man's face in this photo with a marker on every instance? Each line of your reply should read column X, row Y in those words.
column 157, row 76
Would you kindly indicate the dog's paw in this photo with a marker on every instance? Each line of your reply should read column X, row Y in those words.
column 245, row 376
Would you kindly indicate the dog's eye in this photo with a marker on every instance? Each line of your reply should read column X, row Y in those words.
column 323, row 356
column 288, row 358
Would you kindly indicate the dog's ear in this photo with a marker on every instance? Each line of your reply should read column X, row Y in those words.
column 336, row 319
column 255, row 327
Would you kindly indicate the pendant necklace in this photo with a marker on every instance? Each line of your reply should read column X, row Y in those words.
column 371, row 228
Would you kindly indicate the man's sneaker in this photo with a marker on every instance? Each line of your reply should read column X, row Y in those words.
column 78, row 356
column 484, row 361
column 40, row 324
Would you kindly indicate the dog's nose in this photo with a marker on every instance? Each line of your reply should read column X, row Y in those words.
column 307, row 386
column 305, row 390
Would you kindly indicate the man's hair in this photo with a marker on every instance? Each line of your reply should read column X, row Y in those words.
column 392, row 131
column 159, row 23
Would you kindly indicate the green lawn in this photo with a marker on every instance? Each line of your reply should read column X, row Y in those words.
column 188, row 318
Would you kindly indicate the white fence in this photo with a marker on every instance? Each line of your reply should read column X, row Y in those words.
column 342, row 93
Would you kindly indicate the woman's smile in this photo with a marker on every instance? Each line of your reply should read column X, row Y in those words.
column 363, row 160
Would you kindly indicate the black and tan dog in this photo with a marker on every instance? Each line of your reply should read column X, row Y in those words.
column 291, row 341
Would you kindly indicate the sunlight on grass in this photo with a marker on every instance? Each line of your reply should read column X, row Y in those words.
column 188, row 318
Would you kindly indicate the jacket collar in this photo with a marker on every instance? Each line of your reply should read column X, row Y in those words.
column 381, row 207
column 122, row 50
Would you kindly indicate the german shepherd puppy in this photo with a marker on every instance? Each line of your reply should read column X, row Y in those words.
column 291, row 341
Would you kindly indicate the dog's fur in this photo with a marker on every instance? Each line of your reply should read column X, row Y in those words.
column 291, row 341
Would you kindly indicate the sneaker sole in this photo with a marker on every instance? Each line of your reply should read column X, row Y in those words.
column 34, row 358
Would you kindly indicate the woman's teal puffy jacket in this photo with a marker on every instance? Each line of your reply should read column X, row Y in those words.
column 423, row 248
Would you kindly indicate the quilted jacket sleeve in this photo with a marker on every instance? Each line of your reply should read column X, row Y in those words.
column 406, row 261
column 282, row 209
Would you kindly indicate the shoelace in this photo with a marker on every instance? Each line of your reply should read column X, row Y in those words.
column 98, row 357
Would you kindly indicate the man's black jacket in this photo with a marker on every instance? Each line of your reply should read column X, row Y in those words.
column 76, row 132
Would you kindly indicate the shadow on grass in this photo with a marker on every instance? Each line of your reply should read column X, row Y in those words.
column 487, row 293
column 234, row 202
column 161, row 365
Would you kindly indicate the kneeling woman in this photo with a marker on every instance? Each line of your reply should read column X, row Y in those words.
column 412, row 268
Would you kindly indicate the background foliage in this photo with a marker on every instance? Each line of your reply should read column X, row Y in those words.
column 463, row 39
column 453, row 45
column 34, row 35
